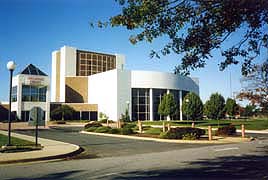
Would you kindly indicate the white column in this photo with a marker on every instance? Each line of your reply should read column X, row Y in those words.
column 151, row 105
column 19, row 98
column 47, row 118
column 180, row 92
column 168, row 117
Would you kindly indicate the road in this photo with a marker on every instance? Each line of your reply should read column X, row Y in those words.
column 176, row 161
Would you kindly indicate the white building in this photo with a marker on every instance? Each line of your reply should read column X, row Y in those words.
column 98, row 82
column 30, row 88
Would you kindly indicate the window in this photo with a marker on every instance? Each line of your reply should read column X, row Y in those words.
column 34, row 93
column 14, row 94
column 157, row 97
column 140, row 104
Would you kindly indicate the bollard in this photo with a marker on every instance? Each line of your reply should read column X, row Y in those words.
column 164, row 126
column 243, row 130
column 140, row 126
column 192, row 124
column 209, row 133
column 168, row 127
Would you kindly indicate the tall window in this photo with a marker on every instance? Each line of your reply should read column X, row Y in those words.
column 89, row 63
column 34, row 93
column 140, row 104
column 14, row 94
column 157, row 97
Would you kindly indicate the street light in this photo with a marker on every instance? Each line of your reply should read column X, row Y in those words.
column 187, row 101
column 10, row 66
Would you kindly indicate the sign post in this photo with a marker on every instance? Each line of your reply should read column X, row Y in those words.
column 36, row 118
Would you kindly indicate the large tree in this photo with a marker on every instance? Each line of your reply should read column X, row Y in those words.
column 194, row 28
column 255, row 87
column 192, row 107
column 231, row 108
column 214, row 107
column 167, row 106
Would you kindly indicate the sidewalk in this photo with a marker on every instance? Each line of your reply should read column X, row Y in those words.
column 52, row 150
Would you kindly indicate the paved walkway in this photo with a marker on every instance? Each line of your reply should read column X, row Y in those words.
column 52, row 150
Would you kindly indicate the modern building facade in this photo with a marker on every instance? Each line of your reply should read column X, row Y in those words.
column 30, row 88
column 97, row 82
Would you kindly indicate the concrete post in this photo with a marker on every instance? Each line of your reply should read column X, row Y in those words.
column 168, row 127
column 243, row 130
column 164, row 126
column 193, row 124
column 209, row 133
column 140, row 126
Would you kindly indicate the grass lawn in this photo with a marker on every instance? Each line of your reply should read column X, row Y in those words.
column 14, row 141
column 250, row 124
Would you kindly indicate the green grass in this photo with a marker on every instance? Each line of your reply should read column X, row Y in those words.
column 14, row 141
column 250, row 124
column 153, row 131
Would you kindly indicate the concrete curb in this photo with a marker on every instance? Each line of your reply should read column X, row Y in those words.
column 52, row 150
column 216, row 140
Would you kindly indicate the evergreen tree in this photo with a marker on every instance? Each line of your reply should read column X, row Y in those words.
column 167, row 106
column 214, row 107
column 192, row 106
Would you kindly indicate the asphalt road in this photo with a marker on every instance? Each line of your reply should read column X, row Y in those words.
column 101, row 146
column 233, row 161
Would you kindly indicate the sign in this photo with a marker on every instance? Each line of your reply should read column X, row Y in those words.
column 36, row 115
column 35, row 80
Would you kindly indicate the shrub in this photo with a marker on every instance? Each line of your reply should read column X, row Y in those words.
column 103, row 129
column 168, row 135
column 188, row 131
column 114, row 131
column 129, row 125
column 190, row 136
column 126, row 131
column 226, row 131
column 91, row 129
column 92, row 124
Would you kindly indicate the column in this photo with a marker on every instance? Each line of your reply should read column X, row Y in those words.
column 180, row 94
column 19, row 99
column 151, row 105
column 168, row 117
column 47, row 115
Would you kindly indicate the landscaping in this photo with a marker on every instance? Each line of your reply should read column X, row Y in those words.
column 18, row 145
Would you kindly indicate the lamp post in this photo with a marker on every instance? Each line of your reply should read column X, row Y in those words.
column 187, row 101
column 10, row 66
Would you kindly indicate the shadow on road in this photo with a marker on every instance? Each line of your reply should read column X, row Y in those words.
column 231, row 167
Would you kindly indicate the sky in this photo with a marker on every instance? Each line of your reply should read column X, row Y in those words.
column 31, row 29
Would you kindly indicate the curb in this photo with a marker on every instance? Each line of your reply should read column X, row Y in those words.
column 46, row 158
column 215, row 141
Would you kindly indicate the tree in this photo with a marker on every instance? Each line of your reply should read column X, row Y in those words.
column 64, row 111
column 231, row 108
column 195, row 28
column 192, row 106
column 249, row 111
column 214, row 107
column 125, row 117
column 255, row 87
column 167, row 106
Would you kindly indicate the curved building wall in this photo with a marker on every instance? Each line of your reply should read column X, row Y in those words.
column 161, row 80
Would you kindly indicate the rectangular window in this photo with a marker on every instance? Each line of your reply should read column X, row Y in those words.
column 14, row 94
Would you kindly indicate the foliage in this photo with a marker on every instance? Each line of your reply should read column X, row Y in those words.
column 15, row 141
column 226, row 131
column 91, row 129
column 196, row 28
column 92, row 124
column 129, row 125
column 231, row 108
column 126, row 131
column 103, row 116
column 248, row 111
column 167, row 106
column 105, row 121
column 214, row 107
column 125, row 117
column 255, row 87
column 103, row 129
column 114, row 131
column 193, row 108
column 182, row 131
column 189, row 136
column 168, row 135
column 64, row 111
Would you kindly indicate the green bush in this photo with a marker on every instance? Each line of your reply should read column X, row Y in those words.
column 129, row 125
column 114, row 131
column 226, row 131
column 168, row 135
column 126, row 131
column 187, row 131
column 91, row 129
column 190, row 136
column 92, row 124
column 103, row 129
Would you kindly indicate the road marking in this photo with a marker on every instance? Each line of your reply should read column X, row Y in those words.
column 226, row 149
column 104, row 175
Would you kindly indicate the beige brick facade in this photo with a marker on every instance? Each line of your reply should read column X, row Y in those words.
column 76, row 89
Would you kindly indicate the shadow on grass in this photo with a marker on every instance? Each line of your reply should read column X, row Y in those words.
column 230, row 167
column 61, row 175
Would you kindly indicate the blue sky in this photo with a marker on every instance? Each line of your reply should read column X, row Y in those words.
column 31, row 29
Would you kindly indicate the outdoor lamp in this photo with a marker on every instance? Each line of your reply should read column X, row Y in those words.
column 11, row 67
